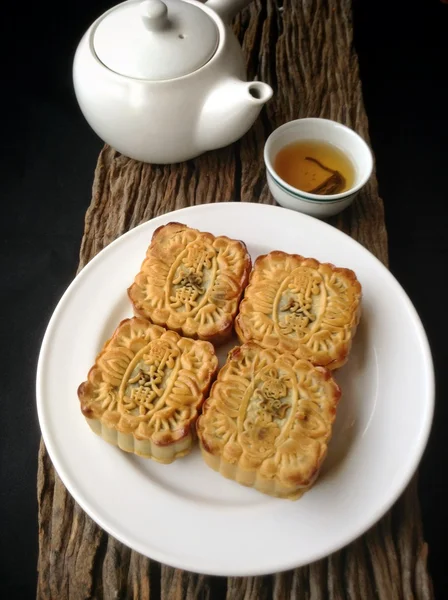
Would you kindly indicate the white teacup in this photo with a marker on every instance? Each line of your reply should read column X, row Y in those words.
column 323, row 130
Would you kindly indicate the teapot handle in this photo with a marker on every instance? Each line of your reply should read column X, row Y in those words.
column 227, row 9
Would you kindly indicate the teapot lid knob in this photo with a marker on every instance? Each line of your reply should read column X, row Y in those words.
column 154, row 14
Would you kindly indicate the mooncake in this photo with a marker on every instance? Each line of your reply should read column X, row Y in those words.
column 298, row 305
column 146, row 388
column 268, row 421
column 191, row 282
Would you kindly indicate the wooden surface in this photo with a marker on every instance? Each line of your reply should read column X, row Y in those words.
column 304, row 50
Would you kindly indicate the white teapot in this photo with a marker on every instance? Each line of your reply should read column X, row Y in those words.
column 164, row 81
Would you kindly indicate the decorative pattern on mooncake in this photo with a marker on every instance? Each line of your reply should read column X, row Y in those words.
column 191, row 282
column 298, row 305
column 145, row 390
column 268, row 421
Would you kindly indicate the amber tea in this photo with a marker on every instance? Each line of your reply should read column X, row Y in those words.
column 315, row 167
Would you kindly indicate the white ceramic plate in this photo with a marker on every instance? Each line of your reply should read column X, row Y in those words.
column 185, row 514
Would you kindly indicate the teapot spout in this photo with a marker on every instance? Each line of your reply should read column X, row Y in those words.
column 230, row 111
column 227, row 9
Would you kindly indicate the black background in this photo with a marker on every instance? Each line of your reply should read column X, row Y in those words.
column 48, row 157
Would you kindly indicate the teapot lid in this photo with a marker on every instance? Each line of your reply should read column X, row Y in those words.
column 155, row 40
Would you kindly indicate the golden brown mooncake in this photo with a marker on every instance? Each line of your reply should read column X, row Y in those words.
column 145, row 389
column 191, row 282
column 298, row 305
column 268, row 421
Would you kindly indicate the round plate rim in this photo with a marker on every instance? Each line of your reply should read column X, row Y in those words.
column 154, row 554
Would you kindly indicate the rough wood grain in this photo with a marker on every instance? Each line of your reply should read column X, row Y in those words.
column 303, row 48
